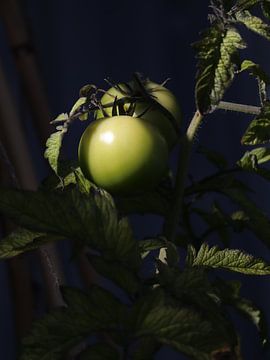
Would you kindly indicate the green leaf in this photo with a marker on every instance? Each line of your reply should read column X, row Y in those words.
column 255, row 70
column 172, row 254
column 216, row 67
column 253, row 158
column 260, row 75
column 266, row 8
column 191, row 255
column 60, row 118
column 254, row 24
column 230, row 259
column 258, row 131
column 63, row 213
column 192, row 287
column 83, row 184
column 183, row 329
column 92, row 219
column 100, row 351
column 76, row 108
column 118, row 238
column 53, row 147
column 151, row 244
column 22, row 240
column 246, row 4
column 71, row 175
column 255, row 315
column 58, row 332
column 171, row 251
column 229, row 293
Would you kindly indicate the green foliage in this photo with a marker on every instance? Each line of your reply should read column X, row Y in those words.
column 90, row 219
column 217, row 62
column 252, row 159
column 262, row 78
column 255, row 70
column 183, row 329
column 266, row 8
column 61, row 330
column 258, row 131
column 22, row 240
column 246, row 4
column 175, row 302
column 229, row 292
column 229, row 259
column 254, row 24
column 53, row 145
column 76, row 107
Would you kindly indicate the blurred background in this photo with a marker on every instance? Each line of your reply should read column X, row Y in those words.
column 48, row 50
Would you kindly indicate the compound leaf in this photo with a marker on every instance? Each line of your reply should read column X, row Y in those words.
column 22, row 240
column 230, row 259
column 216, row 67
column 91, row 219
column 258, row 131
column 254, row 24
column 59, row 331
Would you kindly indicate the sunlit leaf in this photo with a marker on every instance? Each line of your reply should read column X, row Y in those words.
column 230, row 259
column 254, row 24
column 258, row 131
column 216, row 67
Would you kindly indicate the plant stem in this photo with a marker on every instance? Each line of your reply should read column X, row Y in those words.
column 172, row 220
column 247, row 109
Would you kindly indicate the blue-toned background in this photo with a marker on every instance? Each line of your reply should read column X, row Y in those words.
column 80, row 42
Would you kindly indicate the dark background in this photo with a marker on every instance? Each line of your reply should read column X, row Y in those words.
column 80, row 42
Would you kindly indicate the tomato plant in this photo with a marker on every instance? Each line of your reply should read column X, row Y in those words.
column 152, row 290
column 156, row 104
column 123, row 154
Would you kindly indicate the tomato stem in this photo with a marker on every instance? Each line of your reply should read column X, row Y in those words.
column 172, row 220
column 247, row 109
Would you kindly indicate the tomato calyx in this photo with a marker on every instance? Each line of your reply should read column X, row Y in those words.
column 137, row 93
column 140, row 98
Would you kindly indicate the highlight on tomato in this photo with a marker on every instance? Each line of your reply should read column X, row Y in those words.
column 153, row 102
column 123, row 154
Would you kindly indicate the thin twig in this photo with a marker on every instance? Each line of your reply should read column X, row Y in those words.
column 171, row 222
column 247, row 109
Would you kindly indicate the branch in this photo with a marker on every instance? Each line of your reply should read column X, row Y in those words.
column 172, row 220
column 247, row 109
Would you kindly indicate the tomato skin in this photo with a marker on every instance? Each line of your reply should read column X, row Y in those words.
column 123, row 154
column 154, row 115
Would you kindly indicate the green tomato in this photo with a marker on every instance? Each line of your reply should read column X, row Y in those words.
column 123, row 154
column 154, row 115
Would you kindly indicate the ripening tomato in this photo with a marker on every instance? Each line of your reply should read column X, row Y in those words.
column 152, row 114
column 123, row 154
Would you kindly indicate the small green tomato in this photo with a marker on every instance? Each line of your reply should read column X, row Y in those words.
column 123, row 154
column 154, row 115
